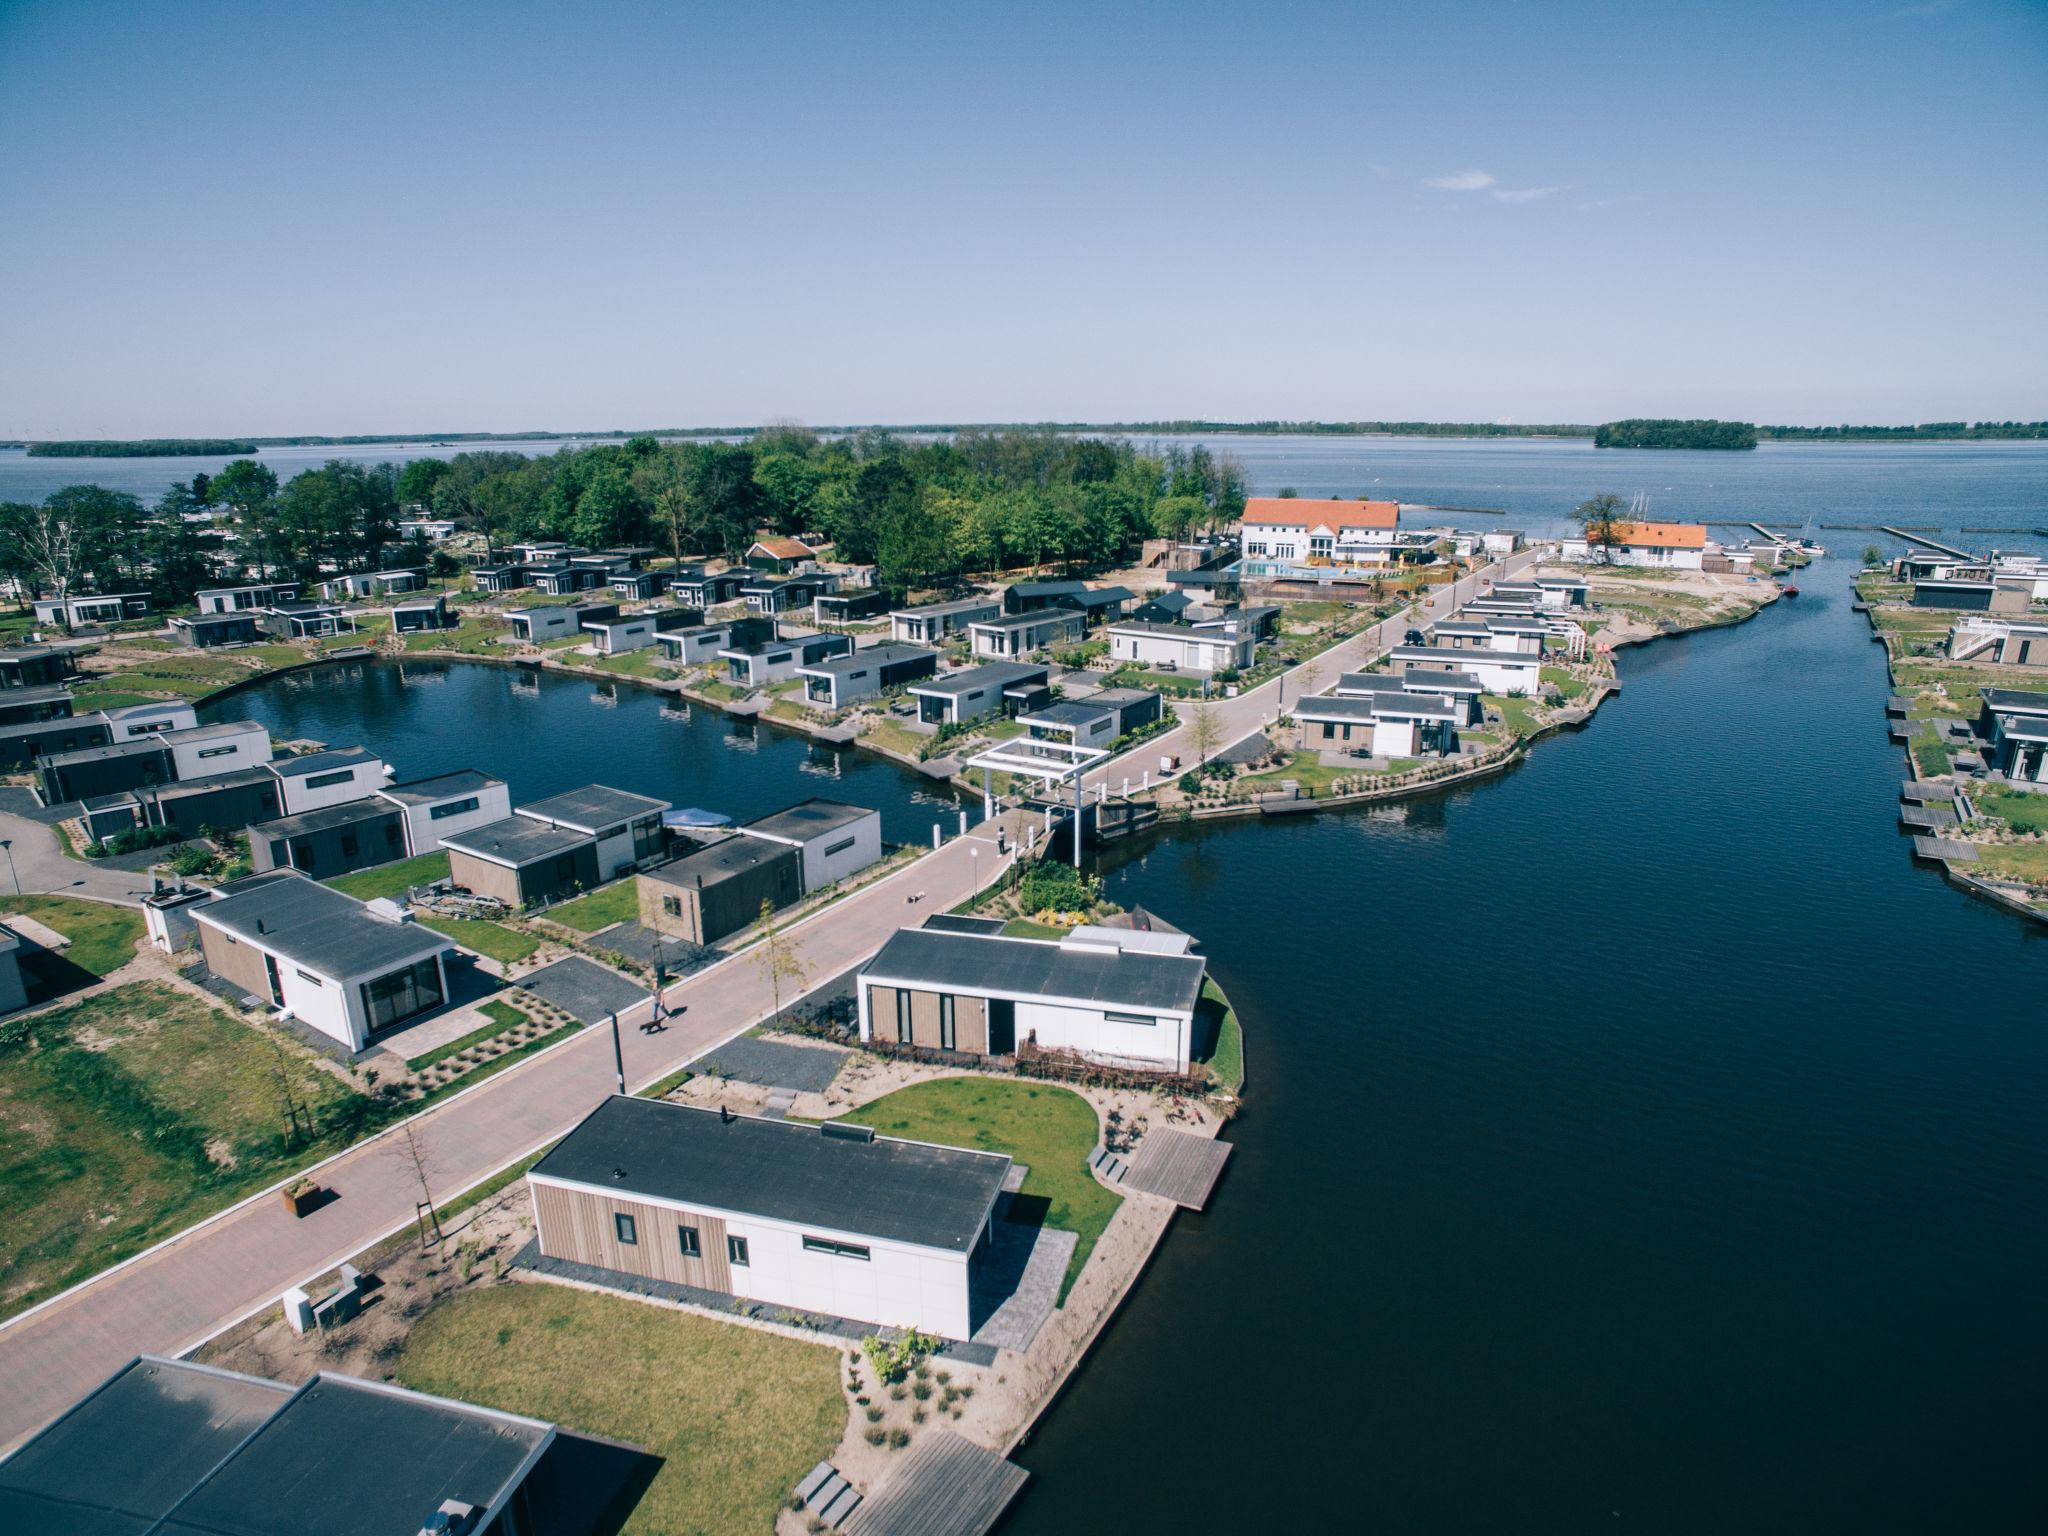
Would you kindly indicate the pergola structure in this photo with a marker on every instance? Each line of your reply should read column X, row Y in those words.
column 1051, row 763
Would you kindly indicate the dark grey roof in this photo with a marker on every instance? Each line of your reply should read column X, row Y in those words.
column 1465, row 657
column 948, row 922
column 809, row 819
column 1049, row 588
column 1412, row 706
column 2023, row 727
column 902, row 1191
column 593, row 808
column 345, row 1457
column 957, row 605
column 1100, row 597
column 1038, row 968
column 1069, row 712
column 1439, row 677
column 18, row 697
column 434, row 600
column 2015, row 701
column 1178, row 631
column 302, row 610
column 720, row 862
column 516, row 840
column 123, row 1456
column 1121, row 698
column 322, row 762
column 319, row 928
column 1037, row 616
column 151, row 743
column 873, row 656
column 326, row 818
column 997, row 674
column 28, row 652
column 1323, row 707
column 463, row 781
column 1370, row 682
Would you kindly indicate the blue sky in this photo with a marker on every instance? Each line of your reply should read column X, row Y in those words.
column 298, row 218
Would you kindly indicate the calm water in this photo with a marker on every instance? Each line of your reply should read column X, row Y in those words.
column 1639, row 1141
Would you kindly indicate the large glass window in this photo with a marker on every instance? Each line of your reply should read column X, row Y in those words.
column 402, row 994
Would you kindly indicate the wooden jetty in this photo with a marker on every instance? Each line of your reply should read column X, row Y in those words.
column 1914, row 538
column 1177, row 1166
column 1943, row 850
column 945, row 1485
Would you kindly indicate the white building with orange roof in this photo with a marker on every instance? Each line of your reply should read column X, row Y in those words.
column 1672, row 546
column 1300, row 530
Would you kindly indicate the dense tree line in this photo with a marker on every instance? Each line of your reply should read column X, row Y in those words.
column 1647, row 433
column 142, row 448
column 1927, row 431
column 926, row 513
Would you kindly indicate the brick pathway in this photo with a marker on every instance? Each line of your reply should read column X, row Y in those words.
column 224, row 1269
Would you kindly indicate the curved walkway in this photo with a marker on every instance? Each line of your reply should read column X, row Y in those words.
column 44, row 868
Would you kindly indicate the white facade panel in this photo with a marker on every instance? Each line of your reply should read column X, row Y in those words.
column 207, row 756
column 335, row 786
column 424, row 830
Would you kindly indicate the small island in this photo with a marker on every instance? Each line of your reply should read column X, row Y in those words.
column 144, row 448
column 1658, row 433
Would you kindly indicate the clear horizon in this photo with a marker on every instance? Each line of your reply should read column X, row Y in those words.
column 230, row 220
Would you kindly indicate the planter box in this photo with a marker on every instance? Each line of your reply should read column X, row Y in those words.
column 299, row 1199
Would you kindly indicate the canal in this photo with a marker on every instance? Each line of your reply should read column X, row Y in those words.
column 1637, row 1141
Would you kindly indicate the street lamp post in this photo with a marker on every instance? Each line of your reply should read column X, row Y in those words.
column 7, row 847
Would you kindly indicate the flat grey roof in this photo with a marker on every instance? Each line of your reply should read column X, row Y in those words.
column 28, row 652
column 1123, row 697
column 319, row 928
column 326, row 818
column 43, row 694
column 1048, row 588
column 322, row 762
column 1371, row 682
column 2023, row 727
column 433, row 601
column 152, row 743
column 1438, row 654
column 1097, row 597
column 719, row 863
column 197, row 620
column 345, row 1457
column 900, row 1191
column 1037, row 968
column 1069, row 712
column 808, row 819
column 873, row 656
column 948, row 922
column 2015, row 700
column 956, row 605
column 1438, row 677
column 1324, row 707
column 1178, row 631
column 997, row 674
column 593, row 808
column 1027, row 620
column 443, row 786
column 516, row 840
column 125, row 1454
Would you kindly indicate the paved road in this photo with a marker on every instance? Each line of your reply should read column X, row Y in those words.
column 1239, row 717
column 224, row 1269
column 41, row 866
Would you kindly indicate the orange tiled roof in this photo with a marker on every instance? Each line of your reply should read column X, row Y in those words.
column 1661, row 535
column 785, row 549
column 1311, row 511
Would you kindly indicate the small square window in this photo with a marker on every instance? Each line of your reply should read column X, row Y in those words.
column 622, row 1224
column 686, row 1241
column 736, row 1252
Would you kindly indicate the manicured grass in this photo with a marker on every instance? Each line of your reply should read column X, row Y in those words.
column 2021, row 811
column 2021, row 861
column 736, row 1415
column 1226, row 1061
column 503, row 1016
column 505, row 945
column 893, row 736
column 640, row 663
column 134, row 1113
column 1567, row 685
column 615, row 903
column 472, row 637
column 1303, row 768
column 1930, row 753
column 393, row 879
column 103, row 937
column 1519, row 714
column 90, row 698
column 1027, row 928
column 1047, row 1128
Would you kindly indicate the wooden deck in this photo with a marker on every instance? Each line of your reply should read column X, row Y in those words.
column 1926, row 791
column 1177, row 1166
column 945, row 1485
column 1927, row 818
column 1941, row 850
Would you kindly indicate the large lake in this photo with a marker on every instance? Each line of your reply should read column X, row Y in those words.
column 1637, row 1142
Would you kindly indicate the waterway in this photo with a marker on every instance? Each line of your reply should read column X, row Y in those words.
column 1637, row 1141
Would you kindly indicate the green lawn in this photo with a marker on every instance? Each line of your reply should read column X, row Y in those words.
column 137, row 1112
column 1567, row 685
column 393, row 879
column 1226, row 1061
column 2021, row 861
column 505, row 945
column 1303, row 768
column 2021, row 811
column 1519, row 714
column 893, row 736
column 736, row 1415
column 1026, row 928
column 614, row 903
column 103, row 937
column 1048, row 1128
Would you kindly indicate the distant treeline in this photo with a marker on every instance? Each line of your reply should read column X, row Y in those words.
column 144, row 448
column 1659, row 433
column 1927, row 431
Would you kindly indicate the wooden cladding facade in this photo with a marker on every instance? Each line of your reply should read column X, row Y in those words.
column 232, row 961
column 907, row 1016
column 580, row 1225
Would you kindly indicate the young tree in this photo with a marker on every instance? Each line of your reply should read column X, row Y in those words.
column 1204, row 730
column 777, row 959
column 1604, row 520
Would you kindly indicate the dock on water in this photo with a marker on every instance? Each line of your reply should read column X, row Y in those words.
column 945, row 1485
column 1943, row 850
column 1176, row 1166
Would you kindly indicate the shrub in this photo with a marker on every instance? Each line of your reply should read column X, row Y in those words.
column 898, row 1438
column 1048, row 886
column 874, row 1434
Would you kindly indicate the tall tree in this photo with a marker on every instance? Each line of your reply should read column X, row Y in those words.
column 180, row 545
column 1605, row 521
column 248, row 492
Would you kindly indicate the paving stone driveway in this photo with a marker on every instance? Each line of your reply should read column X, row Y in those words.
column 585, row 988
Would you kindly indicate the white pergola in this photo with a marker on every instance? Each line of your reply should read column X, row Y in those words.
column 1052, row 763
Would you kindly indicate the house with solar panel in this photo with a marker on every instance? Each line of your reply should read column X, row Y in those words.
column 1119, row 996
column 819, row 1218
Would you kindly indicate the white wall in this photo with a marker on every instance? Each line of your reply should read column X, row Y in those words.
column 1086, row 1029
column 324, row 1005
column 1193, row 653
column 695, row 650
column 161, row 718
column 614, row 639
column 1505, row 677
column 1393, row 738
column 248, row 748
column 423, row 833
column 296, row 793
column 900, row 1284
column 821, row 871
